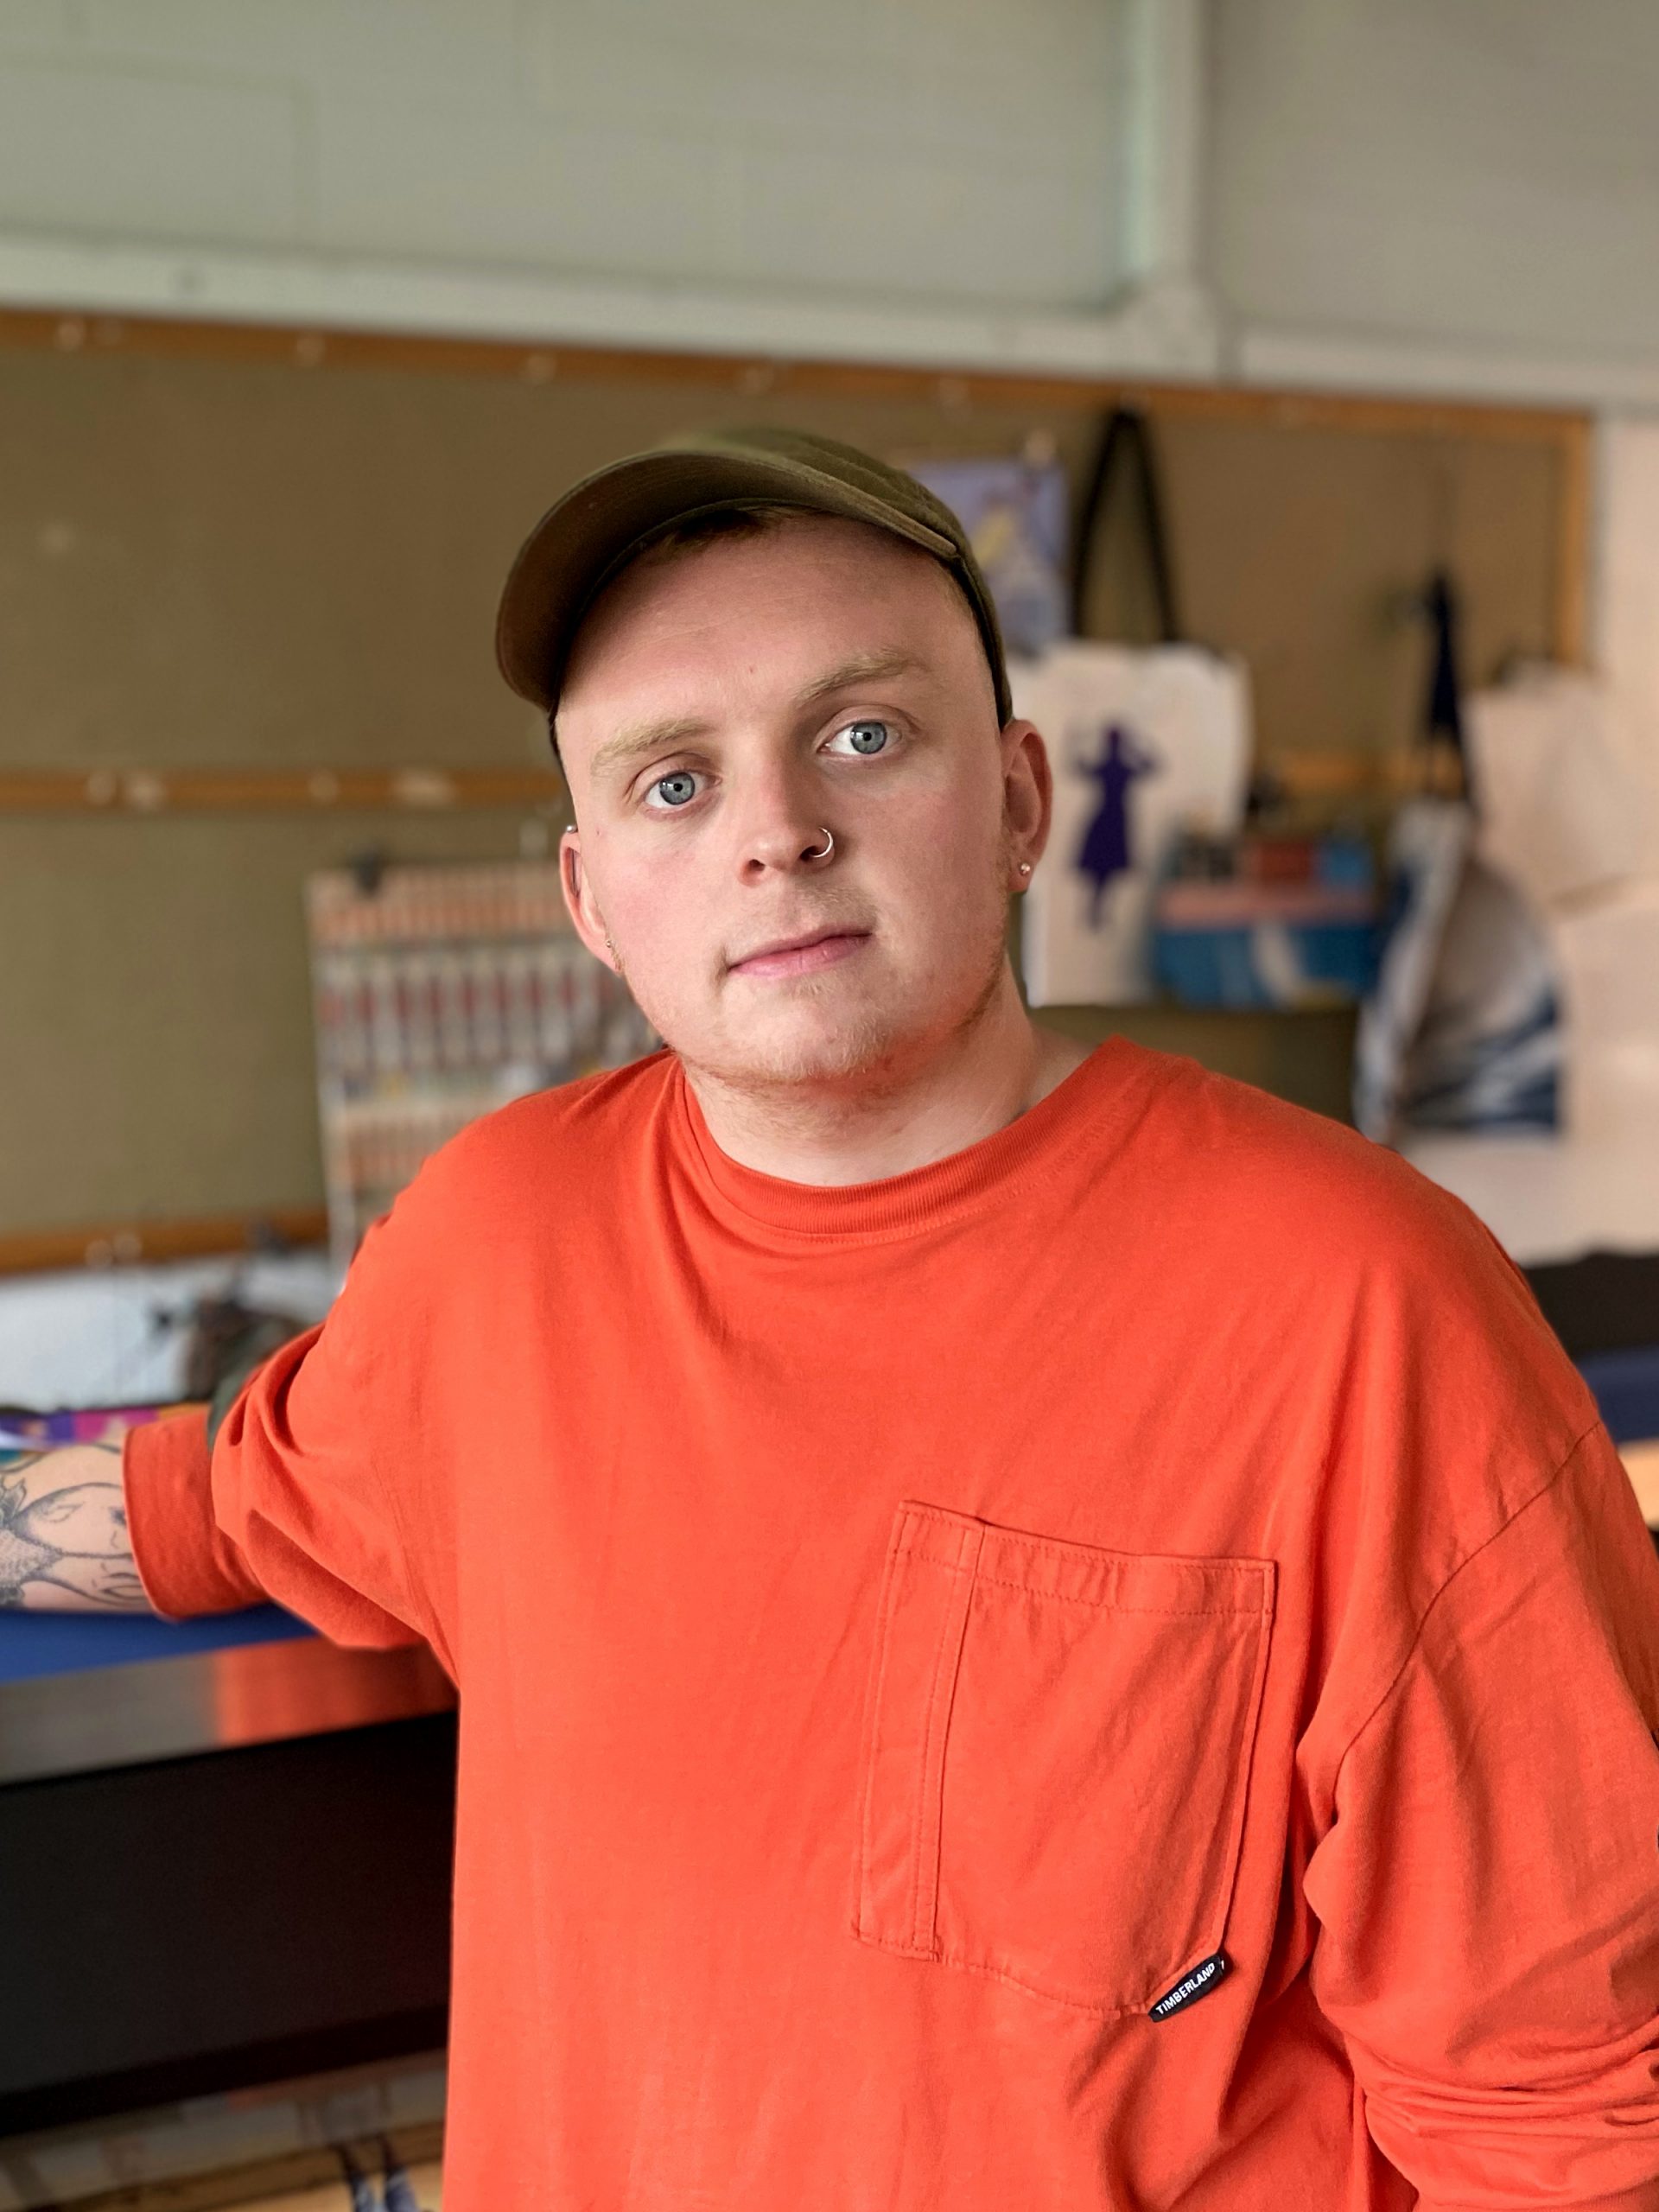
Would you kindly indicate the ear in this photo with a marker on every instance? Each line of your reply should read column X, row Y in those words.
column 1027, row 791
column 589, row 922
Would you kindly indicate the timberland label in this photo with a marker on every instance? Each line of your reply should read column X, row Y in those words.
column 1191, row 1987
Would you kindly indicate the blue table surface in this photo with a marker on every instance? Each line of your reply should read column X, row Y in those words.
column 33, row 1643
column 1625, row 1384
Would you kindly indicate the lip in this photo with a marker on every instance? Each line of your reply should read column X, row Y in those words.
column 801, row 956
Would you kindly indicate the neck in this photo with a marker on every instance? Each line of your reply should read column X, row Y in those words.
column 958, row 1092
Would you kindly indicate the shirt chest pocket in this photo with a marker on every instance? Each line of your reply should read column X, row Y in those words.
column 1056, row 1751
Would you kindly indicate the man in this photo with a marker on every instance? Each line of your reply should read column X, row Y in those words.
column 1037, row 1629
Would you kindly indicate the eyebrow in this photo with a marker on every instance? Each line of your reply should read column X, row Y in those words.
column 862, row 668
column 638, row 740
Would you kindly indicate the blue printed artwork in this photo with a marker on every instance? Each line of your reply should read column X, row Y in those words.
column 1017, row 513
column 1106, row 848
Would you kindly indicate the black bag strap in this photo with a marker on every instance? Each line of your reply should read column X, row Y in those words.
column 1126, row 440
column 1442, row 722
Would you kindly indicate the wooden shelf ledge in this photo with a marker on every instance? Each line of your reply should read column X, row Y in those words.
column 133, row 1243
column 260, row 791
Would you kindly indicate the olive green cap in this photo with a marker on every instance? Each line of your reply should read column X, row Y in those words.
column 598, row 527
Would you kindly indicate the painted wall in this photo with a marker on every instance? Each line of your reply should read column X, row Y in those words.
column 937, row 151
column 1475, row 182
column 1398, row 193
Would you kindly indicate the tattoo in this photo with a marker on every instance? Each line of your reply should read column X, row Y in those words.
column 64, row 1542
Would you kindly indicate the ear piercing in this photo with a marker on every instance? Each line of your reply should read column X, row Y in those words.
column 1025, row 867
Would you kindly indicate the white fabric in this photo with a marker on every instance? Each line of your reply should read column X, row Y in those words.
column 96, row 1335
column 1608, row 955
column 1564, row 807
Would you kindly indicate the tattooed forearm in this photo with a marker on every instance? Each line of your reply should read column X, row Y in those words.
column 63, row 1531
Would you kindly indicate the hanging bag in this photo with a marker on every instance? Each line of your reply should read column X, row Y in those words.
column 1462, row 1027
column 1144, row 741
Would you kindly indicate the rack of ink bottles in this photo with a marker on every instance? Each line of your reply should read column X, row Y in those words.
column 441, row 992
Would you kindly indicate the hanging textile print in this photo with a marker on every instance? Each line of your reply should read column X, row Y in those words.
column 1014, row 508
column 1462, row 1027
column 1143, row 742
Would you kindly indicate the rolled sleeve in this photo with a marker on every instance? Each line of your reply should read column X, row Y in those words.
column 185, row 1561
column 291, row 1502
column 296, row 1498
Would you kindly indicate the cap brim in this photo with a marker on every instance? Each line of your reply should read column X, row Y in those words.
column 579, row 541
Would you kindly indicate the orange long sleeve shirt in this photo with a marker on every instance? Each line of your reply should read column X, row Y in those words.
column 1115, row 1669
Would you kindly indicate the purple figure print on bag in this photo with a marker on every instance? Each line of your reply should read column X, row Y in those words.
column 1105, row 850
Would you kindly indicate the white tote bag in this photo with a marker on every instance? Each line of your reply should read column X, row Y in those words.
column 1144, row 741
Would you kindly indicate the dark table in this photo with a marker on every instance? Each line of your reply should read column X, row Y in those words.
column 224, row 1857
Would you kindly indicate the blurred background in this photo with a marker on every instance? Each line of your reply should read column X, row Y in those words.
column 1294, row 362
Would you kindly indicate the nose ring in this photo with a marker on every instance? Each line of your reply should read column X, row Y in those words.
column 829, row 848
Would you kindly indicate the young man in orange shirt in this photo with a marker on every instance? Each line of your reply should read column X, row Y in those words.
column 1037, row 1628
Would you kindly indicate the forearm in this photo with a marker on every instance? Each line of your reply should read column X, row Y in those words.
column 64, row 1540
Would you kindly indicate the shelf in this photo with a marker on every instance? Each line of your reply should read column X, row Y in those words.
column 259, row 791
column 127, row 1243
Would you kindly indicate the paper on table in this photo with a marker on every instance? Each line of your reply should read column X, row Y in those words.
column 1546, row 1199
column 1642, row 1464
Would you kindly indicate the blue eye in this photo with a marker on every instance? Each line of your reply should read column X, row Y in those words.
column 677, row 789
column 866, row 737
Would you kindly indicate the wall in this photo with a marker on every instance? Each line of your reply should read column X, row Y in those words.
column 194, row 565
column 219, row 563
column 1467, row 195
column 945, row 151
column 1377, row 193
